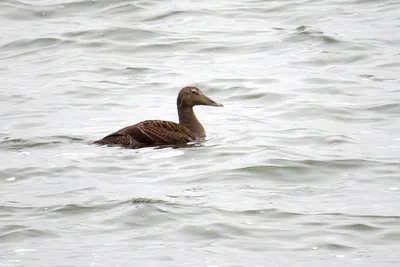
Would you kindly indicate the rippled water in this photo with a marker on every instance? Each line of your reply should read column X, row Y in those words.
column 301, row 167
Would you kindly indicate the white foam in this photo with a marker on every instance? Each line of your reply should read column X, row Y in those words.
column 11, row 179
column 169, row 154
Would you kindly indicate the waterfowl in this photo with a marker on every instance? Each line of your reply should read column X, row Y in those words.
column 160, row 132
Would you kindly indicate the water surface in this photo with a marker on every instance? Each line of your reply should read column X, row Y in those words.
column 300, row 168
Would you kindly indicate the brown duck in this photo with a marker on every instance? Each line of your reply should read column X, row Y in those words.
column 159, row 132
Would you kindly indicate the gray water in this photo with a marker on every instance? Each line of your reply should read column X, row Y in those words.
column 300, row 168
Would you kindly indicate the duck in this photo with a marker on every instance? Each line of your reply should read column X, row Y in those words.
column 161, row 132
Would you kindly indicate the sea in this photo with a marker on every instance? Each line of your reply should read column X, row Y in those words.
column 300, row 168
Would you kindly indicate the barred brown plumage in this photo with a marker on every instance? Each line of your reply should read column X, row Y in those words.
column 160, row 132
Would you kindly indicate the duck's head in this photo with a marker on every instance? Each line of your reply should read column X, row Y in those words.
column 191, row 96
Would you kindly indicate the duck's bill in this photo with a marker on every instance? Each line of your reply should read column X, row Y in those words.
column 211, row 102
column 218, row 105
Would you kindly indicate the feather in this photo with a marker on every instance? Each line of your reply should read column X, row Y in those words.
column 160, row 132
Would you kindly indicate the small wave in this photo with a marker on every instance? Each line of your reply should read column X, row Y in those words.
column 69, row 209
column 172, row 14
column 20, row 143
column 17, row 233
column 358, row 227
column 379, row 79
column 12, row 208
column 243, row 93
column 304, row 33
column 391, row 236
column 142, row 200
column 336, row 139
column 169, row 154
column 337, row 113
column 30, row 45
column 286, row 168
column 392, row 108
column 335, row 246
column 121, row 34
column 122, row 7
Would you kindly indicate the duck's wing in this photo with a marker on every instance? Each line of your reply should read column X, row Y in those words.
column 150, row 132
column 165, row 132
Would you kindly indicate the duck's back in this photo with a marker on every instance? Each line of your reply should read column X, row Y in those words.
column 148, row 133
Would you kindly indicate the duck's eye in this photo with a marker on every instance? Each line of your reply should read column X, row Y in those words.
column 194, row 92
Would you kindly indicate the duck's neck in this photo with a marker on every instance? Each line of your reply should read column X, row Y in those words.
column 188, row 119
